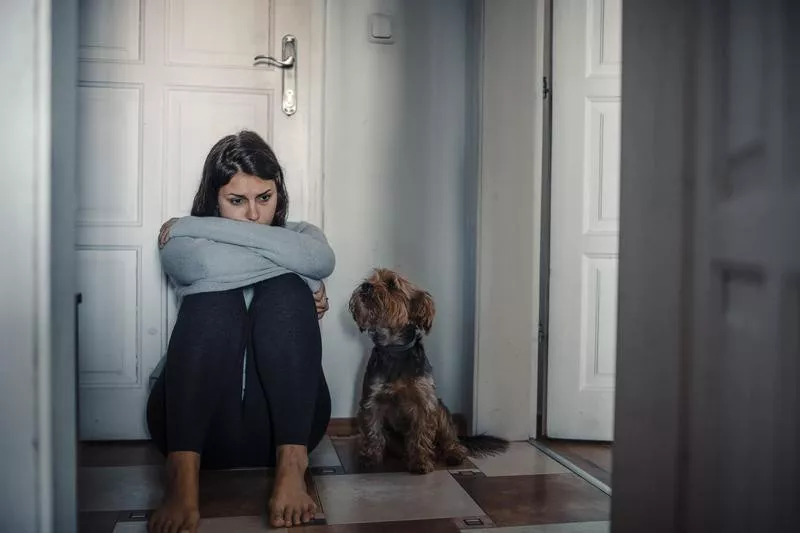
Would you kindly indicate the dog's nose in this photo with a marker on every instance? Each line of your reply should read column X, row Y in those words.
column 366, row 288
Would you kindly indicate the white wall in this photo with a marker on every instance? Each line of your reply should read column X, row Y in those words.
column 400, row 179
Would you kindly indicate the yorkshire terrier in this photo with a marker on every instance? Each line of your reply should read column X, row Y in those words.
column 400, row 412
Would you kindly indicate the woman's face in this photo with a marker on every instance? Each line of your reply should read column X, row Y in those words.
column 248, row 198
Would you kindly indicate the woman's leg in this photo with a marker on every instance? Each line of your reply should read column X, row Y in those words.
column 202, row 373
column 287, row 351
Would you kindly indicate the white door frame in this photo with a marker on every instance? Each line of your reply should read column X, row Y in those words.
column 512, row 34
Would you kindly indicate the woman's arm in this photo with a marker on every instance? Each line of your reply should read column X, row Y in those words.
column 187, row 260
column 299, row 247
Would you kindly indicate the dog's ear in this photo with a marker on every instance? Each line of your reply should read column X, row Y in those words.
column 422, row 311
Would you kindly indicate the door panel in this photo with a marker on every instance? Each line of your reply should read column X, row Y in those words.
column 160, row 82
column 745, row 267
column 585, row 219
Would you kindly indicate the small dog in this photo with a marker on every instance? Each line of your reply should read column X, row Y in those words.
column 400, row 412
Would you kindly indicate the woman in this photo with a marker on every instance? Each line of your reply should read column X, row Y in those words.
column 243, row 384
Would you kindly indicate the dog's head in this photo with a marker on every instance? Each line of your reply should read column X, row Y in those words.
column 388, row 301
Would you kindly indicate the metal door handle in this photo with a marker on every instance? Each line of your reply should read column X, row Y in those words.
column 267, row 60
column 288, row 65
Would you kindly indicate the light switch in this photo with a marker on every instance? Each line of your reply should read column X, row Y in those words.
column 380, row 28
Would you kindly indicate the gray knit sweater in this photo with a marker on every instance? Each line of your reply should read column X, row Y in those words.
column 207, row 254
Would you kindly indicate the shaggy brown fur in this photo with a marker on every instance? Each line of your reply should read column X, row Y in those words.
column 400, row 412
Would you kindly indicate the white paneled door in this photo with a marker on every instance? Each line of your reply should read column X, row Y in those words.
column 585, row 218
column 160, row 82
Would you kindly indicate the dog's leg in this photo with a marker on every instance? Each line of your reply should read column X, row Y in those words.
column 395, row 446
column 420, row 446
column 373, row 438
column 450, row 448
column 421, row 440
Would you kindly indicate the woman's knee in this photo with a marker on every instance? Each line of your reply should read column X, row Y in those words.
column 209, row 312
column 207, row 303
column 287, row 292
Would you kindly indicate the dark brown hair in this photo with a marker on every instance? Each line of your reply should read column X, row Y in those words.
column 244, row 152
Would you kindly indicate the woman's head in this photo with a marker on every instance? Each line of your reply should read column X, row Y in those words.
column 242, row 180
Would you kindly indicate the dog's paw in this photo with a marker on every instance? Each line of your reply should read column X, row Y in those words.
column 455, row 456
column 421, row 467
column 370, row 459
column 454, row 460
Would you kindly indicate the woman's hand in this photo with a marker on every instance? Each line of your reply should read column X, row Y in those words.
column 163, row 234
column 321, row 299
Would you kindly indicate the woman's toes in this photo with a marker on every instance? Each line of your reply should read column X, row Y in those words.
column 277, row 519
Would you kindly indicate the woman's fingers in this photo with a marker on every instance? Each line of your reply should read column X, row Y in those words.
column 322, row 305
column 163, row 234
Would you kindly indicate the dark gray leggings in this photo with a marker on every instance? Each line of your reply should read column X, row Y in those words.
column 197, row 404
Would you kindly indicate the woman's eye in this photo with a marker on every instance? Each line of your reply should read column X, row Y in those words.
column 264, row 198
column 236, row 201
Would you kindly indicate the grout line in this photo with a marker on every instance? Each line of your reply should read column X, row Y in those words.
column 569, row 465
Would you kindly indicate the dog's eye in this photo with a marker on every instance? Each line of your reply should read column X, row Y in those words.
column 391, row 285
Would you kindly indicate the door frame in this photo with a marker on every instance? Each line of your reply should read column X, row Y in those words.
column 38, row 385
column 541, row 357
column 511, row 104
column 316, row 126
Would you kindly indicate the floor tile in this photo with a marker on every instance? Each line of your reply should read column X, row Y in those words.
column 234, row 492
column 347, row 448
column 575, row 527
column 324, row 456
column 239, row 492
column 537, row 499
column 236, row 524
column 131, row 527
column 126, row 453
column 391, row 497
column 593, row 457
column 416, row 526
column 97, row 522
column 119, row 487
column 521, row 459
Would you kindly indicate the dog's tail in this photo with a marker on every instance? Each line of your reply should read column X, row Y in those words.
column 484, row 445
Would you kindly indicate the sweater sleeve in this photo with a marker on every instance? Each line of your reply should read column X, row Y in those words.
column 299, row 247
column 188, row 260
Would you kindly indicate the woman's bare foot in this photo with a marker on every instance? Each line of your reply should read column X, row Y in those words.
column 290, row 504
column 179, row 513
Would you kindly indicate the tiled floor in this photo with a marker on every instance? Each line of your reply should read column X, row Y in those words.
column 522, row 491
column 592, row 457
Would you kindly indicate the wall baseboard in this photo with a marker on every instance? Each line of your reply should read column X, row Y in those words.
column 346, row 427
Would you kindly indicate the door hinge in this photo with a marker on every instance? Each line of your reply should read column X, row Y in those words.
column 545, row 87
